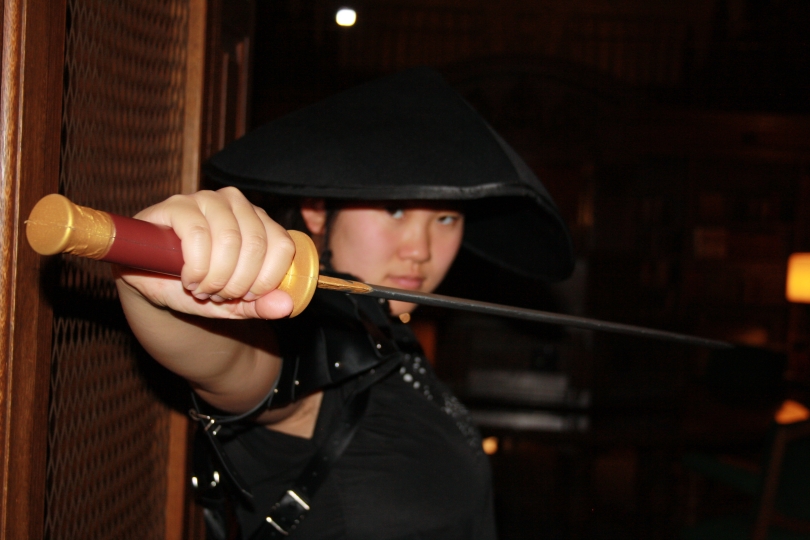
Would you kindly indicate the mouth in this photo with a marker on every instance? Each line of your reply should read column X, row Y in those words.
column 407, row 282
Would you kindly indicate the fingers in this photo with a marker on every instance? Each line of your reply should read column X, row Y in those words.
column 232, row 251
column 167, row 292
column 183, row 214
column 233, row 225
column 250, row 253
column 279, row 257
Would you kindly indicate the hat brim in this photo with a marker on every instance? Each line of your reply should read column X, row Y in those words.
column 407, row 137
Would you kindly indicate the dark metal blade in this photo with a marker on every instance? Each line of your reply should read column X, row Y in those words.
column 442, row 301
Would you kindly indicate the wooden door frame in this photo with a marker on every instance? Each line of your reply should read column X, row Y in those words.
column 33, row 37
column 181, row 519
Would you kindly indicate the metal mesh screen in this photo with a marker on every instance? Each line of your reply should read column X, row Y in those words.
column 121, row 151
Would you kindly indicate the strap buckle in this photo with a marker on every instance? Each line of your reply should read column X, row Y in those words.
column 288, row 512
column 206, row 421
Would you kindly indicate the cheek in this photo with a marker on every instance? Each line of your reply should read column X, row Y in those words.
column 444, row 253
column 360, row 247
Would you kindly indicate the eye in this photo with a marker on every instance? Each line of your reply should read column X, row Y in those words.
column 396, row 213
column 449, row 219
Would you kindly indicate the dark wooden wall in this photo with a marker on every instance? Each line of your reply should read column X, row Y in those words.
column 674, row 138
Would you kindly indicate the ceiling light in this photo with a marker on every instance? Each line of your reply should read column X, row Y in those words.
column 346, row 17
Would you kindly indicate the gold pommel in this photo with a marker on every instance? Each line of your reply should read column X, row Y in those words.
column 302, row 277
column 57, row 225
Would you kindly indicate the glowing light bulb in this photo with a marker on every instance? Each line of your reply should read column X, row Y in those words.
column 346, row 17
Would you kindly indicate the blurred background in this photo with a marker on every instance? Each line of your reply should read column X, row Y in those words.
column 675, row 139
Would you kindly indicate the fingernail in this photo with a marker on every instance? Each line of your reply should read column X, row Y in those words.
column 201, row 296
column 191, row 286
column 249, row 297
column 217, row 298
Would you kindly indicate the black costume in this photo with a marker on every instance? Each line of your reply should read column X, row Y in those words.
column 412, row 465
column 414, row 468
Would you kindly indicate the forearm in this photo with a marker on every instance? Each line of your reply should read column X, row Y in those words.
column 232, row 364
column 208, row 326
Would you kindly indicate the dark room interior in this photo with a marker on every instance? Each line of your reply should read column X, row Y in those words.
column 675, row 139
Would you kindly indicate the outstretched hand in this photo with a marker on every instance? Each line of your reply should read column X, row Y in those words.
column 235, row 258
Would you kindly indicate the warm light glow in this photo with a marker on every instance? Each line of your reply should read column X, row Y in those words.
column 346, row 17
column 798, row 278
column 791, row 412
column 490, row 445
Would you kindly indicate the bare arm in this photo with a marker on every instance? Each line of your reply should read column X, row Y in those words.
column 207, row 326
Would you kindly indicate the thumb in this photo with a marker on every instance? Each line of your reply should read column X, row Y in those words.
column 274, row 305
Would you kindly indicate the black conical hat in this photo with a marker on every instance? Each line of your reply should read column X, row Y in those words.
column 408, row 136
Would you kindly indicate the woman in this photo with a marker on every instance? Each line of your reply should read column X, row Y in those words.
column 338, row 427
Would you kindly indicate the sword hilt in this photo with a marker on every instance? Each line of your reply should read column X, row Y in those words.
column 57, row 225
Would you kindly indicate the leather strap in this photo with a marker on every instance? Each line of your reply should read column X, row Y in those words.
column 210, row 426
column 288, row 512
column 350, row 345
column 347, row 337
column 337, row 338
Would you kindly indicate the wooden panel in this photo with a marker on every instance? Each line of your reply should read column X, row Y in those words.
column 227, row 78
column 178, row 497
column 30, row 111
column 195, row 72
column 122, row 149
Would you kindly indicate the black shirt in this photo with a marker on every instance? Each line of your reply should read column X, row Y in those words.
column 414, row 469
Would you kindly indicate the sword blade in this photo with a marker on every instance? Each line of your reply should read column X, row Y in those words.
column 441, row 301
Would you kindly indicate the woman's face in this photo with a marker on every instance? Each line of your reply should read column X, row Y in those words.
column 408, row 246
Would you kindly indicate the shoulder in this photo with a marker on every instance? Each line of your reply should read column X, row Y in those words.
column 337, row 338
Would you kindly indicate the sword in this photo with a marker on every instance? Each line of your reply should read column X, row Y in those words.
column 57, row 225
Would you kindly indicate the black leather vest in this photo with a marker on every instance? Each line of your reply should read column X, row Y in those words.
column 339, row 336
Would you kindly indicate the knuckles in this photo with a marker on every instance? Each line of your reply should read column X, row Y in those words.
column 254, row 245
column 208, row 248
column 283, row 248
column 231, row 192
column 229, row 239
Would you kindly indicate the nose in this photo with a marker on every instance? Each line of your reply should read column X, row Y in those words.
column 415, row 245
